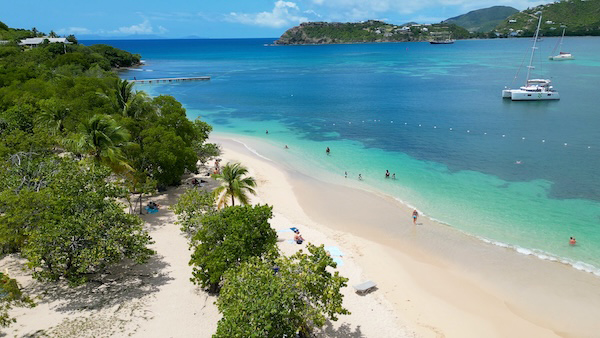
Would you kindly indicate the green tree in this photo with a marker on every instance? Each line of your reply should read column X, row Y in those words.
column 102, row 138
column 68, row 221
column 229, row 238
column 289, row 296
column 11, row 295
column 191, row 207
column 53, row 115
column 52, row 34
column 72, row 39
column 234, row 184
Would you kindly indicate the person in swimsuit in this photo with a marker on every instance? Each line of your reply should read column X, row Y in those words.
column 327, row 151
column 572, row 241
column 415, row 214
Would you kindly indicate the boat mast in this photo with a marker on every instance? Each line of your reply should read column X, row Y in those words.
column 561, row 39
column 537, row 31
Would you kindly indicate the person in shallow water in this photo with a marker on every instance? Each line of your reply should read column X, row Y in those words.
column 360, row 177
column 327, row 151
column 572, row 241
column 387, row 174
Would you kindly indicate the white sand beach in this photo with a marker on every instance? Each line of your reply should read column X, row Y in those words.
column 432, row 280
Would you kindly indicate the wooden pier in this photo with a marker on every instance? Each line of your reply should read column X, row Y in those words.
column 172, row 79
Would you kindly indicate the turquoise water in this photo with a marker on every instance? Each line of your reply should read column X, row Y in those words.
column 520, row 174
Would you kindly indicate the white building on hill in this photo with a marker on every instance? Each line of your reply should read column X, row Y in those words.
column 33, row 42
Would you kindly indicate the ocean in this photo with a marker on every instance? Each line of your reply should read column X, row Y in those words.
column 521, row 175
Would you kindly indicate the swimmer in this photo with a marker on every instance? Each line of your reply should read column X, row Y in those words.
column 359, row 177
column 327, row 151
column 286, row 147
column 394, row 176
column 572, row 241
column 266, row 132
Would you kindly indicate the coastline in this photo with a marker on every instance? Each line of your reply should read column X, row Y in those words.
column 439, row 280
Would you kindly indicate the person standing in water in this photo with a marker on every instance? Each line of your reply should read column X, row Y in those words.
column 359, row 177
column 387, row 174
column 415, row 214
column 345, row 174
column 572, row 241
column 327, row 151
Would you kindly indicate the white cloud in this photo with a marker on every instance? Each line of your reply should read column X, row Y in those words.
column 142, row 28
column 73, row 30
column 283, row 14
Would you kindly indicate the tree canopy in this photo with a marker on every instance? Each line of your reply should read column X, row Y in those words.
column 229, row 238
column 281, row 298
column 234, row 184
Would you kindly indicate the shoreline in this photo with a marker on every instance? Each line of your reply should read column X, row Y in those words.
column 476, row 288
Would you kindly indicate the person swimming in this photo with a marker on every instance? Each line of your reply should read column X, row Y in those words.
column 572, row 241
column 327, row 151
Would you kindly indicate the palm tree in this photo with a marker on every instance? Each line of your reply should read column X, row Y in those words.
column 101, row 137
column 234, row 185
column 53, row 115
column 129, row 102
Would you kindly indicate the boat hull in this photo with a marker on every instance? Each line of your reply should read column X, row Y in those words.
column 561, row 58
column 523, row 95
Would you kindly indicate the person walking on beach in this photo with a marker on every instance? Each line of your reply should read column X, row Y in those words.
column 415, row 214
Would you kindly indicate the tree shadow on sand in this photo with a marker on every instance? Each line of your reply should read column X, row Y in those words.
column 343, row 331
column 122, row 283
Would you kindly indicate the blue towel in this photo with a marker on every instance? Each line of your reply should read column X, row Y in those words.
column 284, row 230
column 295, row 229
column 150, row 210
column 338, row 260
column 334, row 250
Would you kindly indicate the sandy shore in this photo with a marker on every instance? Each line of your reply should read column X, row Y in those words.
column 440, row 282
column 432, row 280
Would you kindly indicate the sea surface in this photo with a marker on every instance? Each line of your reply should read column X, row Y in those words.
column 518, row 174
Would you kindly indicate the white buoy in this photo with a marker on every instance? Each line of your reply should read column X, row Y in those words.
column 484, row 133
column 589, row 147
column 503, row 135
column 419, row 125
column 468, row 131
column 522, row 138
column 405, row 123
column 434, row 127
column 543, row 141
column 565, row 144
column 450, row 129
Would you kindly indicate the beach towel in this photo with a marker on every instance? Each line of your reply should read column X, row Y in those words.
column 295, row 229
column 338, row 260
column 150, row 210
column 334, row 251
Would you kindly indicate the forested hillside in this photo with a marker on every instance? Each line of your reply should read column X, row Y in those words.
column 482, row 20
column 369, row 31
column 580, row 17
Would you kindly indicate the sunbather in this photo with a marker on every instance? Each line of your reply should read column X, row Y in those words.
column 298, row 238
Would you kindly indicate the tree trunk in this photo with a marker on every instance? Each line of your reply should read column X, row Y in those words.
column 232, row 200
column 141, row 203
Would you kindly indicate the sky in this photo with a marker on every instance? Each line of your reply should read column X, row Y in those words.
column 223, row 19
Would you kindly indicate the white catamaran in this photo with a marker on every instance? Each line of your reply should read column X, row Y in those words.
column 534, row 89
column 561, row 55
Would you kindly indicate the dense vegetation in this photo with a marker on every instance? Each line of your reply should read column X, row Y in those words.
column 75, row 139
column 581, row 17
column 261, row 293
column 369, row 31
column 482, row 20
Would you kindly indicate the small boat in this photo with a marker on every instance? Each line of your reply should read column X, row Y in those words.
column 561, row 55
column 534, row 89
column 446, row 41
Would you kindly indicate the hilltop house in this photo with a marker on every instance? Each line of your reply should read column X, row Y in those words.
column 34, row 42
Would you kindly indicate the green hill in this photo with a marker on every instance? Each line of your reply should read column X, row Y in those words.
column 369, row 31
column 12, row 34
column 482, row 20
column 581, row 17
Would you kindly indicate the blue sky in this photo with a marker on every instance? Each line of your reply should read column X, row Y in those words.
column 224, row 19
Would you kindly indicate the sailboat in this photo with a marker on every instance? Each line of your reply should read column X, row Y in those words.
column 534, row 89
column 446, row 41
column 561, row 55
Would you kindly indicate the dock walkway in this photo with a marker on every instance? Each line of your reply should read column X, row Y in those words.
column 172, row 79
